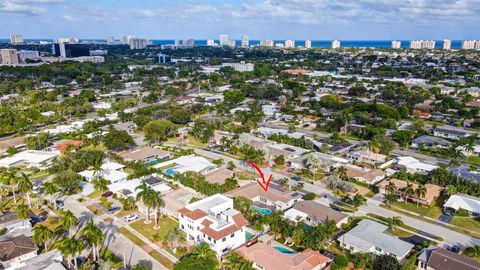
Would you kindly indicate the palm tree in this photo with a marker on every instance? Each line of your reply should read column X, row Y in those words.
column 393, row 222
column 128, row 203
column 390, row 188
column 358, row 200
column 50, row 190
column 389, row 199
column 155, row 202
column 451, row 190
column 342, row 172
column 299, row 234
column 70, row 247
column 93, row 236
column 203, row 251
column 421, row 191
column 147, row 196
column 9, row 178
column 233, row 261
column 67, row 220
column 42, row 235
column 25, row 185
column 408, row 190
column 100, row 184
column 23, row 212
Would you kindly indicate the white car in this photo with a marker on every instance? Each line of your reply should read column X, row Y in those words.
column 130, row 217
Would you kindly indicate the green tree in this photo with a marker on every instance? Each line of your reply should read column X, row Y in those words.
column 9, row 178
column 67, row 220
column 26, row 186
column 233, row 97
column 69, row 182
column 70, row 248
column 128, row 203
column 41, row 141
column 393, row 222
column 203, row 130
column 100, row 184
column 42, row 235
column 386, row 262
column 382, row 144
column 159, row 130
column 51, row 189
column 420, row 192
column 145, row 195
column 23, row 213
column 93, row 236
column 234, row 261
column 118, row 140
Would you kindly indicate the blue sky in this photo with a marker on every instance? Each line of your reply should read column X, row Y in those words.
column 260, row 19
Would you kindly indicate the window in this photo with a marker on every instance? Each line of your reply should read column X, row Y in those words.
column 224, row 239
column 181, row 215
column 232, row 235
column 183, row 227
column 209, row 239
column 214, row 241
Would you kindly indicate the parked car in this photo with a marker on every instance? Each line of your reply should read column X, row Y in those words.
column 455, row 249
column 296, row 178
column 107, row 194
column 37, row 219
column 113, row 209
column 130, row 217
column 59, row 203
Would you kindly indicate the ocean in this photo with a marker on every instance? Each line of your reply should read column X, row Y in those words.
column 456, row 44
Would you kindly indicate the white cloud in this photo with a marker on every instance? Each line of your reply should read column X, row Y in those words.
column 68, row 18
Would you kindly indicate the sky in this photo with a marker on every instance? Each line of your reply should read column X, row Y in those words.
column 260, row 19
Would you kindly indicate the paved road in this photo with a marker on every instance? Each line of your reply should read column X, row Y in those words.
column 114, row 240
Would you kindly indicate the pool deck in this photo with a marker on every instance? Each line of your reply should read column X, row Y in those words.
column 262, row 205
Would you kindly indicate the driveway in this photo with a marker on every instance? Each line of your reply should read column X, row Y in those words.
column 445, row 218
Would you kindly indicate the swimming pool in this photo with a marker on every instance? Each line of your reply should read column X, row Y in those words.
column 249, row 235
column 284, row 250
column 263, row 211
column 170, row 171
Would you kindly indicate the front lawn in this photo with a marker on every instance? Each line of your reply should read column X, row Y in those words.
column 165, row 223
column 432, row 211
column 94, row 194
column 468, row 223
column 473, row 160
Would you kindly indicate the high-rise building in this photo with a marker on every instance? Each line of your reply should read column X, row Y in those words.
column 124, row 40
column 335, row 44
column 110, row 40
column 289, row 43
column 232, row 43
column 266, row 42
column 224, row 40
column 477, row 45
column 245, row 41
column 137, row 43
column 447, row 44
column 396, row 44
column 66, row 40
column 16, row 39
column 27, row 54
column 308, row 44
column 163, row 58
column 241, row 67
column 210, row 42
column 69, row 50
column 9, row 57
column 469, row 44
column 188, row 43
column 422, row 44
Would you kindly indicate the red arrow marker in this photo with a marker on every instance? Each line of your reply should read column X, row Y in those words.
column 264, row 184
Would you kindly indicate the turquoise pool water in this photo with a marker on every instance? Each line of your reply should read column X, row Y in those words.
column 170, row 171
column 249, row 235
column 284, row 250
column 263, row 211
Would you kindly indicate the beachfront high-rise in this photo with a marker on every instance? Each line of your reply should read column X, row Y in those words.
column 471, row 44
column 422, row 44
column 110, row 40
column 16, row 39
column 396, row 44
column 8, row 57
column 266, row 42
column 289, row 43
column 245, row 41
column 137, row 43
column 210, row 42
column 224, row 40
column 335, row 44
column 308, row 44
column 447, row 44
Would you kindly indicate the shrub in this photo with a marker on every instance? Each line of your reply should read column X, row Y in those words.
column 309, row 196
column 462, row 213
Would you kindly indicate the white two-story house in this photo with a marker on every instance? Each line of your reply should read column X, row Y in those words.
column 213, row 221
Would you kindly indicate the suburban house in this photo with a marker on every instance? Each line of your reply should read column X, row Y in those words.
column 63, row 145
column 321, row 160
column 427, row 141
column 266, row 257
column 17, row 143
column 370, row 237
column 270, row 109
column 436, row 258
column 219, row 176
column 14, row 251
column 288, row 151
column 413, row 165
column 218, row 135
column 190, row 163
column 273, row 199
column 313, row 213
column 31, row 159
column 465, row 202
column 11, row 222
column 369, row 176
column 473, row 152
column 111, row 171
column 450, row 133
column 50, row 260
column 433, row 191
column 145, row 154
column 213, row 220
column 126, row 189
column 366, row 156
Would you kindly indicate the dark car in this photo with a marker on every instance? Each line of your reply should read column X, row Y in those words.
column 296, row 178
column 107, row 194
column 59, row 203
column 113, row 209
column 37, row 219
column 455, row 249
column 306, row 125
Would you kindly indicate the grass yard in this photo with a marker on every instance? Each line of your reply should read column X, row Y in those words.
column 137, row 241
column 467, row 223
column 399, row 232
column 123, row 213
column 165, row 224
column 94, row 194
column 162, row 259
column 473, row 160
column 432, row 211
column 95, row 209
column 195, row 143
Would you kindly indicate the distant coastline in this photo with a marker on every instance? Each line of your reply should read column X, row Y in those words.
column 456, row 44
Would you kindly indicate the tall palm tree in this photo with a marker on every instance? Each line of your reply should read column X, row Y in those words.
column 421, row 191
column 342, row 172
column 233, row 261
column 408, row 190
column 145, row 195
column 23, row 212
column 358, row 200
column 51, row 189
column 100, row 184
column 203, row 251
column 25, row 185
column 393, row 222
column 155, row 202
column 42, row 235
column 389, row 199
column 93, row 236
column 451, row 190
column 10, row 178
column 68, row 220
column 71, row 247
column 390, row 188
